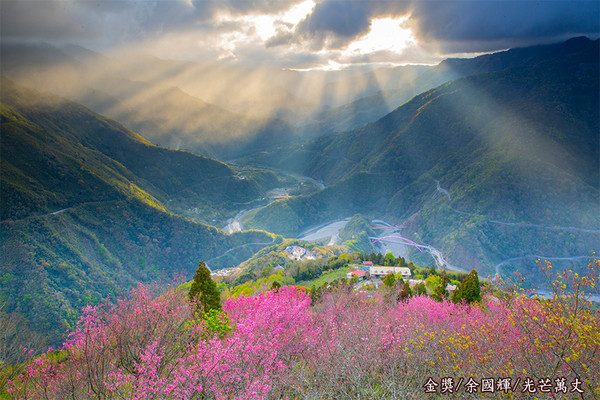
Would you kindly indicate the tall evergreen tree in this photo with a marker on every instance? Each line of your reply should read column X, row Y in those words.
column 469, row 291
column 405, row 292
column 204, row 293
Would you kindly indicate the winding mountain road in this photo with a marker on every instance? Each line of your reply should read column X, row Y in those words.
column 509, row 260
column 235, row 224
column 519, row 224
column 441, row 190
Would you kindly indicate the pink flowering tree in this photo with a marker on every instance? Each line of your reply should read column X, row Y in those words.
column 150, row 345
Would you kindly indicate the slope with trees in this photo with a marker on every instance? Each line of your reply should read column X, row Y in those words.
column 517, row 151
column 87, row 209
column 375, row 106
column 287, row 343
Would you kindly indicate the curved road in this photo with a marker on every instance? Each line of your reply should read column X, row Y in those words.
column 520, row 224
column 523, row 225
column 509, row 260
column 443, row 191
column 235, row 224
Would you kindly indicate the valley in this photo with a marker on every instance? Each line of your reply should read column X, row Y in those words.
column 481, row 163
column 299, row 199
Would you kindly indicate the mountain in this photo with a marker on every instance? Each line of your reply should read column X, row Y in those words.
column 370, row 108
column 354, row 85
column 251, row 90
column 144, row 99
column 87, row 209
column 515, row 152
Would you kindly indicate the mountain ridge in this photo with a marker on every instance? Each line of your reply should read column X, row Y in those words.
column 164, row 114
column 369, row 109
column 518, row 145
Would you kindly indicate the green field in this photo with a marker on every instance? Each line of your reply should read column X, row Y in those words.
column 326, row 277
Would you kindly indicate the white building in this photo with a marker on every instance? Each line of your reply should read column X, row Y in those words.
column 379, row 271
column 299, row 253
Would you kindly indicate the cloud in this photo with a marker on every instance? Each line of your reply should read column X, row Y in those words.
column 340, row 18
column 246, row 6
column 99, row 22
column 453, row 25
column 282, row 37
column 217, row 29
column 470, row 26
column 116, row 21
column 50, row 20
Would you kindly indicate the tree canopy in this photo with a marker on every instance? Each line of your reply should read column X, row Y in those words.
column 204, row 293
column 469, row 291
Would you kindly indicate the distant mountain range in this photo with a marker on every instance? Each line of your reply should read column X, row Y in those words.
column 516, row 149
column 363, row 110
column 218, row 110
column 156, row 107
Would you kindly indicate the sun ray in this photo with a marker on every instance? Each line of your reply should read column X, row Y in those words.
column 387, row 34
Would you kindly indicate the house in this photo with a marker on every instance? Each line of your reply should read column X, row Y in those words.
column 359, row 266
column 359, row 273
column 379, row 271
column 368, row 263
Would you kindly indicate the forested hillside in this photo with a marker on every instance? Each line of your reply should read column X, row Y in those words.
column 375, row 106
column 517, row 152
column 87, row 209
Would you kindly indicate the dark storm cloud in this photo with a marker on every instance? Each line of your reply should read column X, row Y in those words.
column 246, row 6
column 454, row 26
column 342, row 18
column 335, row 23
column 484, row 25
column 49, row 20
column 115, row 21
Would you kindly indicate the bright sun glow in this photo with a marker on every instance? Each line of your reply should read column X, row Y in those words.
column 385, row 34
column 265, row 25
column 298, row 12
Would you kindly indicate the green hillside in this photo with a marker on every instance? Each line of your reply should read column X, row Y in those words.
column 375, row 106
column 87, row 209
column 512, row 148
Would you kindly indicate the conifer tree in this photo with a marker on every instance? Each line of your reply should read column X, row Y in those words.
column 204, row 293
column 405, row 292
column 457, row 294
column 471, row 291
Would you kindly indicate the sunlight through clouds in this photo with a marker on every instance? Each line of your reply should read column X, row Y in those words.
column 298, row 12
column 385, row 34
column 258, row 28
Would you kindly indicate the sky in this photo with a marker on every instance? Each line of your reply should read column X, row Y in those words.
column 300, row 34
